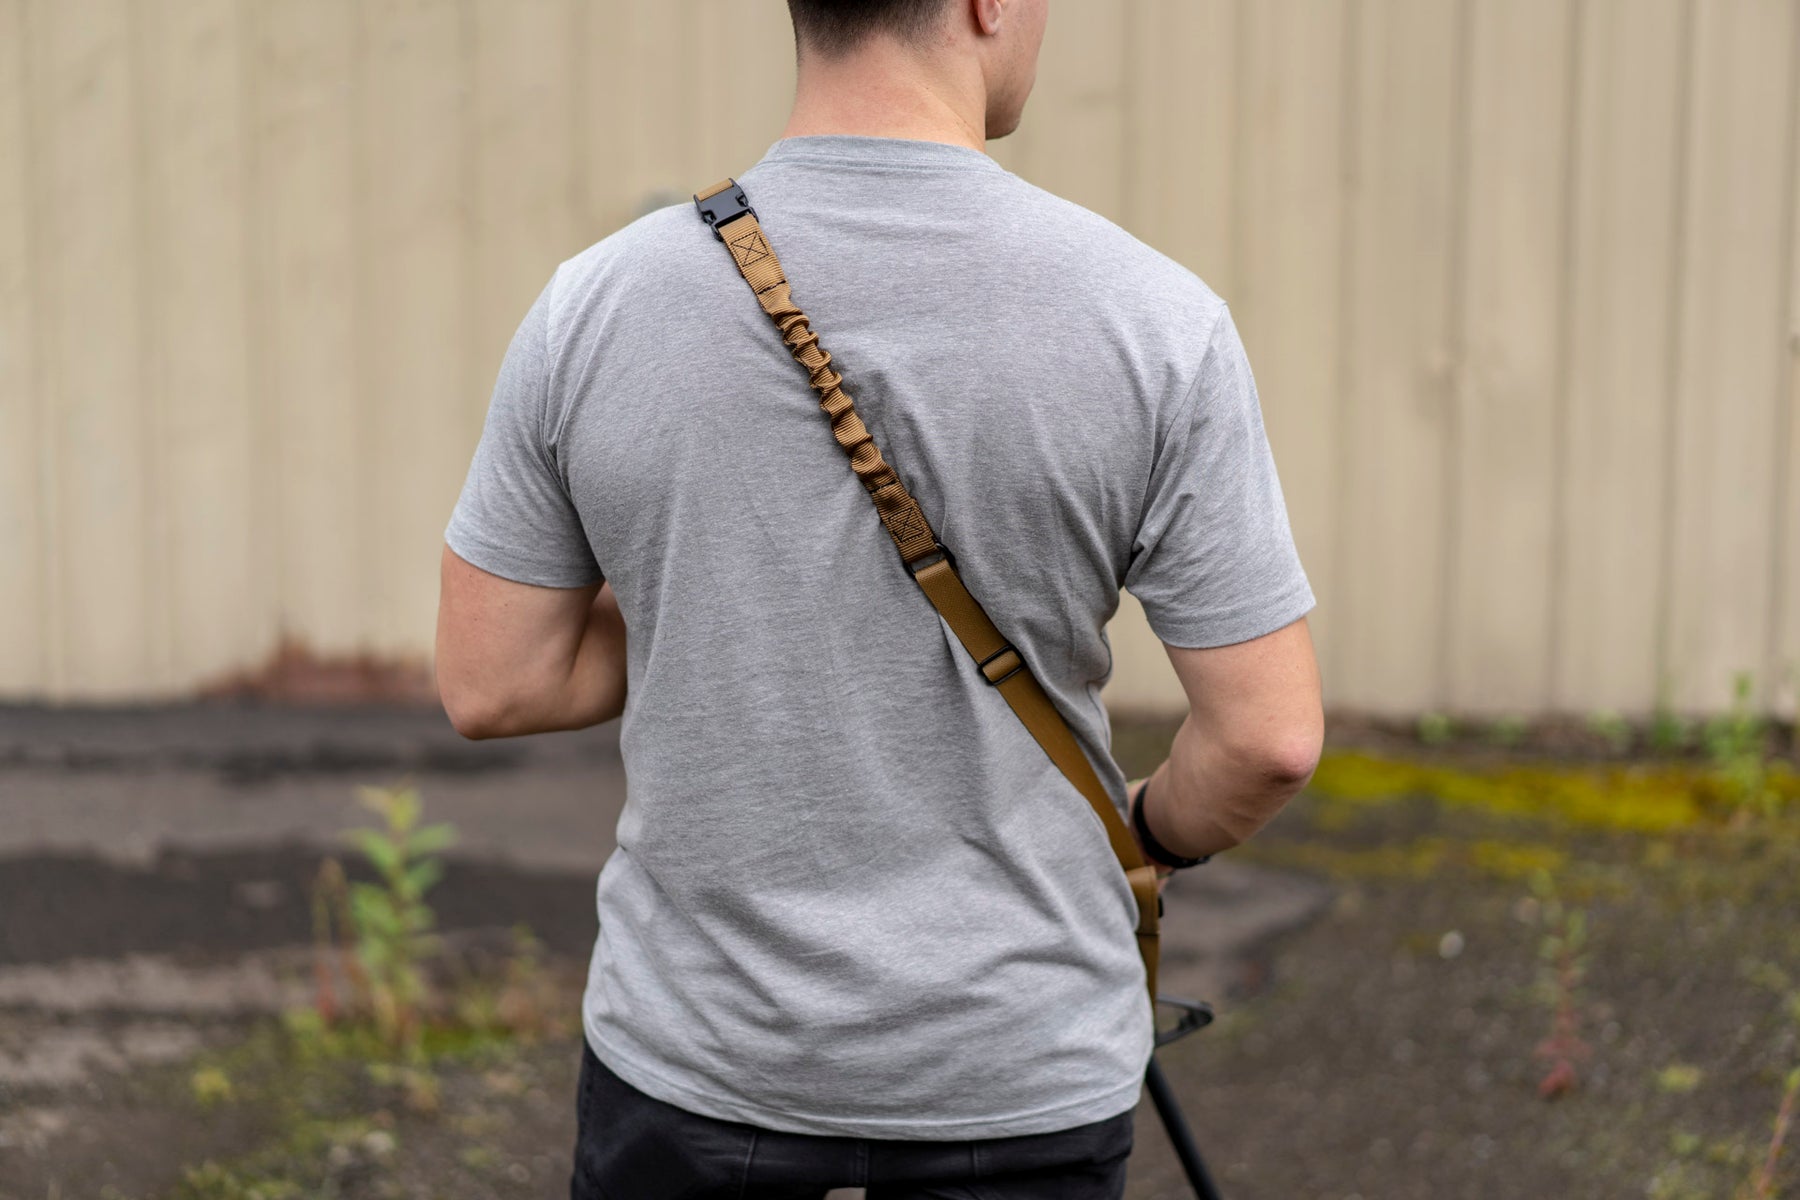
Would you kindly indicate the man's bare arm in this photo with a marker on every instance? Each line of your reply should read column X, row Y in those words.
column 513, row 658
column 1251, row 740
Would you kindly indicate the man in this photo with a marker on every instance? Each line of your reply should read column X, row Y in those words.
column 859, row 930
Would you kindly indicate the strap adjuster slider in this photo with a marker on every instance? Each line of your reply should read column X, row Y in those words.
column 1000, row 669
column 937, row 554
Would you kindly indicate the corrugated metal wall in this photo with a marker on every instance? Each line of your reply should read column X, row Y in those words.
column 1518, row 279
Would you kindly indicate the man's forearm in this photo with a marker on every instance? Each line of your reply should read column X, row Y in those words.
column 557, row 680
column 595, row 690
column 1211, row 794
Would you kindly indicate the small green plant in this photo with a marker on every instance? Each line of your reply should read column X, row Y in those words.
column 1611, row 728
column 1679, row 1078
column 373, row 943
column 1670, row 733
column 211, row 1086
column 524, row 1002
column 390, row 922
column 1736, row 745
column 1508, row 732
column 1679, row 1181
column 1562, row 955
column 1435, row 729
column 211, row 1181
column 334, row 945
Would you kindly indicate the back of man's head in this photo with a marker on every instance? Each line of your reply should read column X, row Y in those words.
column 836, row 27
column 965, row 66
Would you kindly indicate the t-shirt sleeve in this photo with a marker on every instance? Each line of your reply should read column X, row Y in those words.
column 515, row 517
column 1214, row 560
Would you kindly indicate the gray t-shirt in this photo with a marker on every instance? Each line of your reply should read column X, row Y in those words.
column 851, row 895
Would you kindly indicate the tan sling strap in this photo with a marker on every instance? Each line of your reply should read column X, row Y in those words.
column 725, row 208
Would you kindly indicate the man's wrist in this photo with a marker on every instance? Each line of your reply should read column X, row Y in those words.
column 1153, row 849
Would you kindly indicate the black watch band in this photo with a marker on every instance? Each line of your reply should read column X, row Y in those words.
column 1153, row 849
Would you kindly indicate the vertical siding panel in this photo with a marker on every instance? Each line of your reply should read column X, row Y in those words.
column 155, row 518
column 1183, row 121
column 743, row 80
column 262, row 610
column 1072, row 137
column 1506, row 436
column 419, row 359
column 524, row 222
column 1286, row 295
column 1391, row 582
column 641, row 117
column 202, row 447
column 1785, row 635
column 1180, row 123
column 1015, row 151
column 307, row 316
column 1628, row 157
column 22, row 613
column 1732, row 327
column 83, row 143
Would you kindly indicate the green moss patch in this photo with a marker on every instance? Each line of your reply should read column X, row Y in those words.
column 1643, row 798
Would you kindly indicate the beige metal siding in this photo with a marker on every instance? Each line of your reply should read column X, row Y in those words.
column 24, row 617
column 1402, row 268
column 1625, row 278
column 1518, row 279
column 1734, row 315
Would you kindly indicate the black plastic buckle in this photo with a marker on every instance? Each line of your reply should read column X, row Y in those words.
column 723, row 207
column 1008, row 648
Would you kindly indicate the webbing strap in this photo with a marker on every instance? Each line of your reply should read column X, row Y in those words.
column 735, row 223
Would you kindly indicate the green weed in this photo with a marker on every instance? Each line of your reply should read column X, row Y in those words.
column 211, row 1181
column 1736, row 745
column 1611, row 728
column 1508, row 732
column 1436, row 729
column 388, row 923
column 1670, row 733
column 1679, row 1078
column 1562, row 958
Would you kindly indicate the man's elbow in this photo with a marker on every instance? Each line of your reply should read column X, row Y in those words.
column 1284, row 757
column 1273, row 768
column 472, row 721
column 477, row 713
column 1289, row 764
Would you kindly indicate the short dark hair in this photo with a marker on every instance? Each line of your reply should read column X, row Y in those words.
column 838, row 26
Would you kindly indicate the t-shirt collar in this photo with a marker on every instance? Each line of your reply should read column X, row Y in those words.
column 854, row 148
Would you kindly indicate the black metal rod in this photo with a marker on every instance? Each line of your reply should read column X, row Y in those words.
column 1180, row 1136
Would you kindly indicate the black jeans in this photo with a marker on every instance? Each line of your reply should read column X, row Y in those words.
column 634, row 1147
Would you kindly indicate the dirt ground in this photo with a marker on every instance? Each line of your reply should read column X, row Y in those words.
column 1384, row 959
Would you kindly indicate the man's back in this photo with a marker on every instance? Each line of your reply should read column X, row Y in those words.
column 851, row 894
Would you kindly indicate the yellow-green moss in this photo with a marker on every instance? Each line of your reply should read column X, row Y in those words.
column 1649, row 798
column 1415, row 859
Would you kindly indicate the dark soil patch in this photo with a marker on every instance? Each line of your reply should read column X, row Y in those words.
column 58, row 907
column 1394, row 1057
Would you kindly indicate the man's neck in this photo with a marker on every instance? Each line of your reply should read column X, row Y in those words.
column 881, row 91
